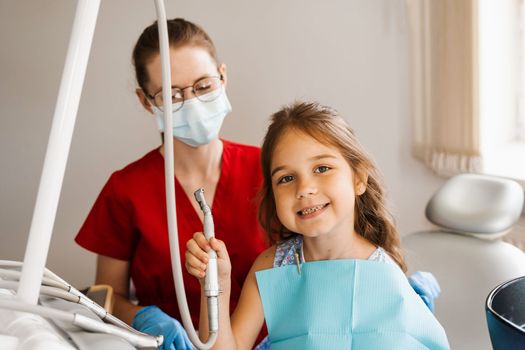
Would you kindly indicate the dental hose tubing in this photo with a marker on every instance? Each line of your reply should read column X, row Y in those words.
column 170, row 185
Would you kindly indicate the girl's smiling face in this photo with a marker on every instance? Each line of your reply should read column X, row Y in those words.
column 314, row 186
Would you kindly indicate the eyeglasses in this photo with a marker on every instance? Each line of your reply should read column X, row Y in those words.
column 206, row 89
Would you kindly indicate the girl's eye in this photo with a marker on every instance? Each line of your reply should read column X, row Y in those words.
column 321, row 169
column 285, row 179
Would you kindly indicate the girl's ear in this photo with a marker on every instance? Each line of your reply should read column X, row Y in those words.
column 144, row 100
column 360, row 182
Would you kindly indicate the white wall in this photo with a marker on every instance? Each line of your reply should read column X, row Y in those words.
column 350, row 54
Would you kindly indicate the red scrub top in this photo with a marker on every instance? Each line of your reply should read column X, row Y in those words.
column 128, row 222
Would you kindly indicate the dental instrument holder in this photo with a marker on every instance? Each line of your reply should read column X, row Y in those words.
column 211, row 281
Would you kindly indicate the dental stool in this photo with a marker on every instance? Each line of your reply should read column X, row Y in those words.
column 465, row 254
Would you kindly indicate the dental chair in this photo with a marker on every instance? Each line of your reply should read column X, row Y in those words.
column 465, row 252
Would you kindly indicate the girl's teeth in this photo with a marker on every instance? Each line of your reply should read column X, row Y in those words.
column 312, row 209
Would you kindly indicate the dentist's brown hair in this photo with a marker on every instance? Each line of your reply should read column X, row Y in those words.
column 180, row 33
column 372, row 219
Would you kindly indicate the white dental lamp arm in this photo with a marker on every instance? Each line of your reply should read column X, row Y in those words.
column 57, row 150
column 170, row 184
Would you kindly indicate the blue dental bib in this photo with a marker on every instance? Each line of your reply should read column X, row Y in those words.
column 345, row 304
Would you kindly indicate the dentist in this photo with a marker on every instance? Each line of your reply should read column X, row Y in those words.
column 127, row 226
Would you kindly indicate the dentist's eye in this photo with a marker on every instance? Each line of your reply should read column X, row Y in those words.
column 285, row 179
column 203, row 88
column 321, row 169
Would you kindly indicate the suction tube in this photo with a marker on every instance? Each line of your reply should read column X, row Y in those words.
column 169, row 173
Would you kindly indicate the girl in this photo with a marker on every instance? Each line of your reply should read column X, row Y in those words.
column 321, row 200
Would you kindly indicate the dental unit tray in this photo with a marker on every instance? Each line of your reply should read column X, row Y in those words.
column 66, row 311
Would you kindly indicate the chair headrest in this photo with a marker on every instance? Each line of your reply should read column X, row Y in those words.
column 480, row 205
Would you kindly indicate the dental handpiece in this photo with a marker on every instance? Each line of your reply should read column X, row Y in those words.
column 211, row 281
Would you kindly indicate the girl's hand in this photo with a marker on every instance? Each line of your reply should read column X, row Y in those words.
column 197, row 257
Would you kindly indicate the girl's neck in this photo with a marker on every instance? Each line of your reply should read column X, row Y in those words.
column 352, row 246
column 191, row 161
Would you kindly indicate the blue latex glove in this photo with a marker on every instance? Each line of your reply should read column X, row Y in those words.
column 426, row 286
column 154, row 321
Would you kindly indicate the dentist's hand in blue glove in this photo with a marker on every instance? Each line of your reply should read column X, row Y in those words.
column 426, row 286
column 154, row 321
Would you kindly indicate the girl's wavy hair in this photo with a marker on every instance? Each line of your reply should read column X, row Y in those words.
column 372, row 220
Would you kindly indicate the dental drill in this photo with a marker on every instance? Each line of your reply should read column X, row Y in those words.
column 211, row 281
column 169, row 179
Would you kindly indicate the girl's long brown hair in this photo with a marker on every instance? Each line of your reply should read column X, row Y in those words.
column 372, row 219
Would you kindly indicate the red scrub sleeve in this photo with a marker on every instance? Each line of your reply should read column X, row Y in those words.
column 108, row 229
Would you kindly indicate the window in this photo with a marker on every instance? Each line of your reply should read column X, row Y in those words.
column 521, row 85
column 501, row 40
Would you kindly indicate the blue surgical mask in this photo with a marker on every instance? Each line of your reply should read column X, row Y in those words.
column 197, row 123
